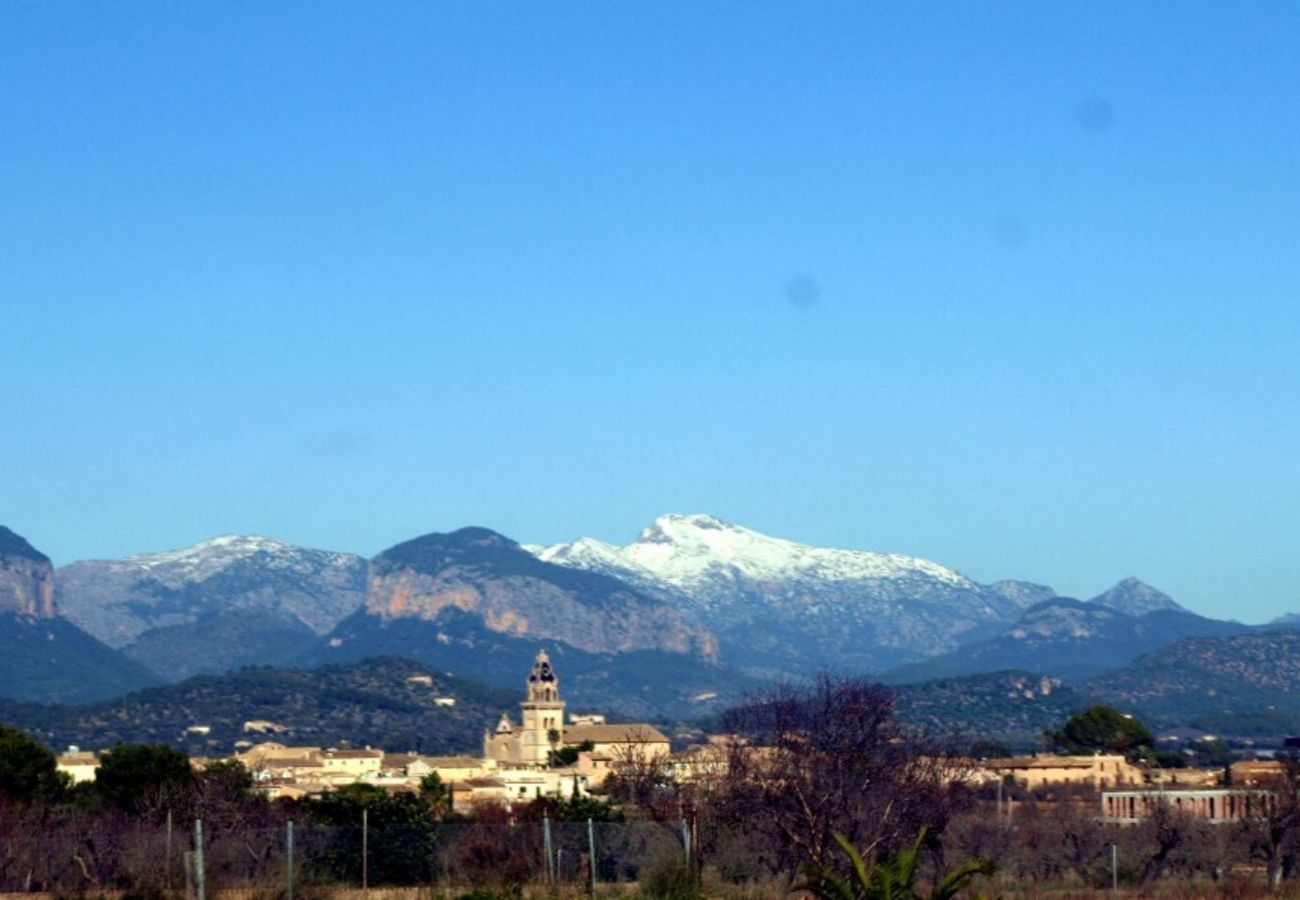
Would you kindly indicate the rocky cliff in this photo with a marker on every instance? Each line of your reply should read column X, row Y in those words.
column 478, row 572
column 26, row 578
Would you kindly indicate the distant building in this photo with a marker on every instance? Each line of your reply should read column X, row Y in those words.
column 1213, row 805
column 1256, row 772
column 356, row 763
column 531, row 742
column 78, row 766
column 1099, row 771
column 544, row 730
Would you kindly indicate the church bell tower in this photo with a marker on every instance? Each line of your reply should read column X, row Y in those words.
column 543, row 712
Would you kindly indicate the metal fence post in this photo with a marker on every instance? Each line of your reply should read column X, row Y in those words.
column 1114, row 869
column 288, row 860
column 547, row 848
column 365, row 849
column 591, row 853
column 167, row 862
column 200, row 875
column 686, row 842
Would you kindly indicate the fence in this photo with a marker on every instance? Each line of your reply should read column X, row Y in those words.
column 203, row 858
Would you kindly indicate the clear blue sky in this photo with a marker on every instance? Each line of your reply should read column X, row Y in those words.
column 1012, row 287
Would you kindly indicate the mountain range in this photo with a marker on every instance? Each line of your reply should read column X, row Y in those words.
column 1067, row 638
column 239, row 600
column 692, row 614
column 779, row 607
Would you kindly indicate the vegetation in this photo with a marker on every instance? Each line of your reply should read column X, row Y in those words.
column 1010, row 708
column 28, row 772
column 892, row 876
column 138, row 777
column 54, row 660
column 405, row 821
column 1101, row 729
column 366, row 703
column 567, row 756
column 820, row 780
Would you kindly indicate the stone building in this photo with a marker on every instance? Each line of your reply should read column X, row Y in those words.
column 1031, row 772
column 543, row 729
column 1214, row 806
column 542, row 725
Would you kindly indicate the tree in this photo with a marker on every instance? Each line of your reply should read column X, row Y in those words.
column 436, row 795
column 829, row 757
column 28, row 771
column 1272, row 831
column 567, row 756
column 140, row 777
column 1102, row 729
column 223, row 793
column 401, row 842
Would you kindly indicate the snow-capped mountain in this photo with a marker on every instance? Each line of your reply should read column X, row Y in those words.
column 780, row 605
column 226, row 601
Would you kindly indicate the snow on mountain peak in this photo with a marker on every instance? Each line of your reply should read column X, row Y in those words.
column 206, row 558
column 687, row 550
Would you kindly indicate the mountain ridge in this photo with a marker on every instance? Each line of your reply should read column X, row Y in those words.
column 843, row 608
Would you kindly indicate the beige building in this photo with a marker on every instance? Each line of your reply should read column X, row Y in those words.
column 530, row 743
column 543, row 729
column 1099, row 771
column 1215, row 806
column 78, row 766
column 509, row 786
column 357, row 764
column 1254, row 772
column 449, row 769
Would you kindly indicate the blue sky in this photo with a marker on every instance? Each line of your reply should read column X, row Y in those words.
column 1012, row 288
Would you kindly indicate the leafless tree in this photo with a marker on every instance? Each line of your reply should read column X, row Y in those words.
column 1272, row 833
column 829, row 757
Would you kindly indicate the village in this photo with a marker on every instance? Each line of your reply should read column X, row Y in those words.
column 550, row 753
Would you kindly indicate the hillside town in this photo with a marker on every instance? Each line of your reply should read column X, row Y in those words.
column 547, row 753
column 552, row 753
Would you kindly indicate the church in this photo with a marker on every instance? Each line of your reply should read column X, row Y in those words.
column 543, row 729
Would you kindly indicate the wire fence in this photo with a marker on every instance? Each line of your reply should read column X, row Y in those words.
column 203, row 859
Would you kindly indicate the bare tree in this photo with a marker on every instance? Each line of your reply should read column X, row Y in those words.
column 1272, row 832
column 829, row 757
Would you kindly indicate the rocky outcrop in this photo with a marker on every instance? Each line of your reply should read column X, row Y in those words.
column 26, row 578
column 491, row 578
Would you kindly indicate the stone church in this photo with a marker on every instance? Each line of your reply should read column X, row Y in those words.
column 543, row 729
